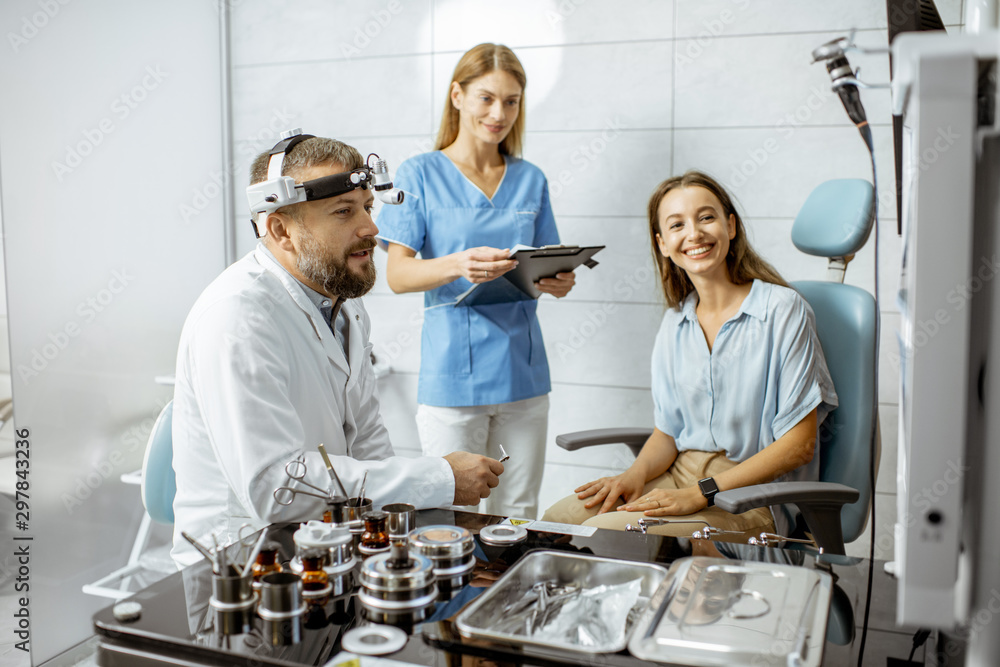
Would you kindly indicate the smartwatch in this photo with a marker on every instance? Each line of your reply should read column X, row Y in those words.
column 708, row 489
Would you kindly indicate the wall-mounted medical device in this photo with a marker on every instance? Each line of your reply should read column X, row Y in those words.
column 947, row 532
column 279, row 191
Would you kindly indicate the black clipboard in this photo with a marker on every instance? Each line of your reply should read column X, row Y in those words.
column 533, row 264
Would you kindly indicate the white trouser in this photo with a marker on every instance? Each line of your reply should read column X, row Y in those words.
column 521, row 427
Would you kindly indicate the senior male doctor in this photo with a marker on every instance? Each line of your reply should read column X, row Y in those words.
column 274, row 359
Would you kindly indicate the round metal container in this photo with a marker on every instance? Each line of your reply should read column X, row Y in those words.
column 336, row 539
column 450, row 549
column 389, row 594
column 402, row 518
column 353, row 512
column 281, row 596
column 502, row 535
column 232, row 593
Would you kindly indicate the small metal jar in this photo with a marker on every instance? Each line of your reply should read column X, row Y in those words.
column 282, row 607
column 450, row 550
column 338, row 542
column 395, row 590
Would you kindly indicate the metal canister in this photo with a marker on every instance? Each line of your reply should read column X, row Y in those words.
column 394, row 591
column 450, row 550
column 282, row 607
column 338, row 542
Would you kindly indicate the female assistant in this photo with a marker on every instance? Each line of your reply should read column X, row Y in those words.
column 739, row 382
column 484, row 376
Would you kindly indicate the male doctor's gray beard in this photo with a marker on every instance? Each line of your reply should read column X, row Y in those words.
column 323, row 267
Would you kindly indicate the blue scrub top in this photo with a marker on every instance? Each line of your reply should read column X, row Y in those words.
column 473, row 355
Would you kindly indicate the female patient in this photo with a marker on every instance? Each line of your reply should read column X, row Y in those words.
column 739, row 384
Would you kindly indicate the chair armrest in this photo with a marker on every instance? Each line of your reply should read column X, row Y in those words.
column 819, row 502
column 635, row 438
column 746, row 498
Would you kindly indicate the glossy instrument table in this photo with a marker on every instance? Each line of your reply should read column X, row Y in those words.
column 177, row 626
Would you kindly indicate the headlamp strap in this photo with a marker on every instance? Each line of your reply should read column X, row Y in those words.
column 280, row 150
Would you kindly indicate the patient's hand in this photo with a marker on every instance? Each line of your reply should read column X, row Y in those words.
column 668, row 502
column 607, row 490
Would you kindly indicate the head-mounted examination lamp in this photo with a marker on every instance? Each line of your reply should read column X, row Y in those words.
column 279, row 191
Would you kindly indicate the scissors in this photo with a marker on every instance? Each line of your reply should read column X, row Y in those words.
column 296, row 469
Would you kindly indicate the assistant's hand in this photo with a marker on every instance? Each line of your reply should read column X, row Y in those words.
column 668, row 502
column 483, row 264
column 558, row 286
column 607, row 490
column 475, row 476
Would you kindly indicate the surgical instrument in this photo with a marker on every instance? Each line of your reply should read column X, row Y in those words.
column 284, row 495
column 329, row 469
column 361, row 495
column 297, row 470
column 644, row 523
column 248, row 567
column 201, row 549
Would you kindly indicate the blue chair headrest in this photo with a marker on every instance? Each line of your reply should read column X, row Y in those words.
column 836, row 219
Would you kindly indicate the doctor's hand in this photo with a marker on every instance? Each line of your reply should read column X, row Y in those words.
column 559, row 286
column 668, row 502
column 475, row 476
column 483, row 264
column 607, row 490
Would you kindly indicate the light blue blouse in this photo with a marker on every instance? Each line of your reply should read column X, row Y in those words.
column 473, row 355
column 764, row 374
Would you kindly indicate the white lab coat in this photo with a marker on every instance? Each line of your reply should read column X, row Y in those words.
column 261, row 379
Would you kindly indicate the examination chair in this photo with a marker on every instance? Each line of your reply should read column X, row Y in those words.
column 834, row 222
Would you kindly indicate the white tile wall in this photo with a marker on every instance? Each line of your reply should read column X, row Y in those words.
column 336, row 97
column 625, row 272
column 320, row 30
column 607, row 171
column 763, row 81
column 561, row 94
column 772, row 171
column 696, row 18
column 620, row 96
column 459, row 24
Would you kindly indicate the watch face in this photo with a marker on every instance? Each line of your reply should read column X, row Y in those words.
column 708, row 486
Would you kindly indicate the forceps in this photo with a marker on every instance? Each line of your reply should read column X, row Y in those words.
column 296, row 469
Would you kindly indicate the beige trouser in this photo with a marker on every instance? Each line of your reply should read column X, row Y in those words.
column 687, row 469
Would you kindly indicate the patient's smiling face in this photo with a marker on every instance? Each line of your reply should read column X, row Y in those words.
column 694, row 232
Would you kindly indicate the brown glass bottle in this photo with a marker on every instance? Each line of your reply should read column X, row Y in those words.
column 266, row 563
column 314, row 577
column 375, row 536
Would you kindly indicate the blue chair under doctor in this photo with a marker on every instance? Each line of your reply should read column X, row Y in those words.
column 159, row 485
column 835, row 222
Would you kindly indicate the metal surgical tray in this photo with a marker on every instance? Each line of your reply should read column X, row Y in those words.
column 724, row 612
column 565, row 575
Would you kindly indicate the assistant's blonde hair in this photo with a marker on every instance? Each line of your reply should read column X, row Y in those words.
column 742, row 261
column 479, row 61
